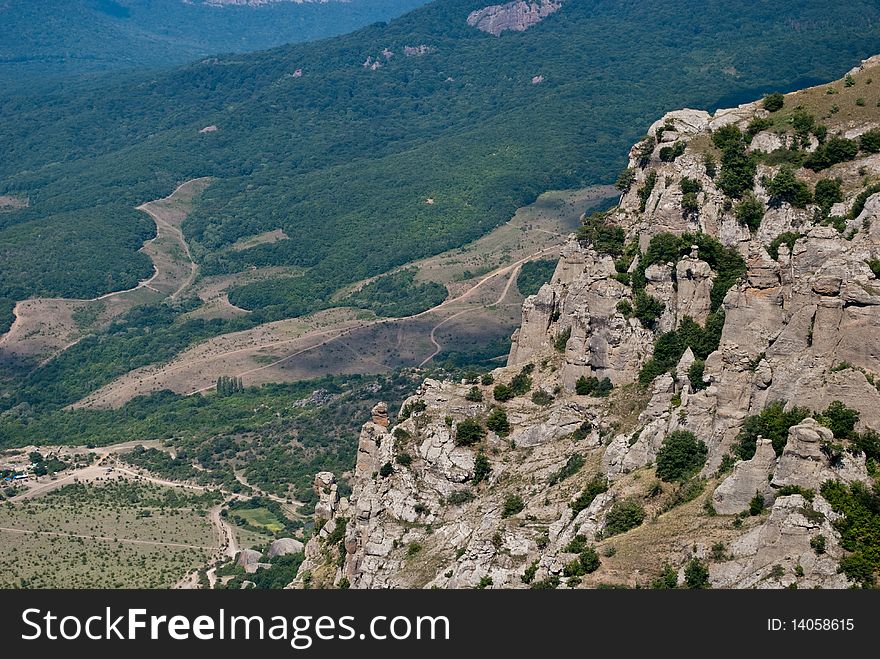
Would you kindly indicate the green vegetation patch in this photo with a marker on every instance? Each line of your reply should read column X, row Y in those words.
column 534, row 274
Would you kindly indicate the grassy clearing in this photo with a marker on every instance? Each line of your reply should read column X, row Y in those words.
column 116, row 535
column 261, row 518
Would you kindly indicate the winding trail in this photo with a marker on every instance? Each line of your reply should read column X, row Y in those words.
column 44, row 327
column 439, row 348
column 339, row 333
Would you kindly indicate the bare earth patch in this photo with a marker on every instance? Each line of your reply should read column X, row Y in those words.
column 13, row 203
column 265, row 238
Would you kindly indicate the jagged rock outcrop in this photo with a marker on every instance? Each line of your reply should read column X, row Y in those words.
column 805, row 464
column 504, row 481
column 516, row 16
column 778, row 553
column 749, row 478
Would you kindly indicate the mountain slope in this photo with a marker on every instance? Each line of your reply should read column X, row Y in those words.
column 344, row 157
column 48, row 39
column 730, row 306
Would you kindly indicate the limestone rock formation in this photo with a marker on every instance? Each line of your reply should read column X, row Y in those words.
column 643, row 331
column 749, row 478
column 517, row 16
column 283, row 547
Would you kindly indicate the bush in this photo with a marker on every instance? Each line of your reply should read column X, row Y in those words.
column 513, row 504
column 727, row 136
column 597, row 485
column 550, row 583
column 484, row 583
column 758, row 124
column 773, row 102
column 570, row 468
column 497, row 422
column 687, row 491
column 787, row 490
column 646, row 190
column 839, row 419
column 681, row 456
column 605, row 238
column 502, row 393
column 802, row 122
column 738, row 167
column 474, row 395
column 648, row 309
column 835, row 150
column 696, row 574
column 623, row 516
column 818, row 544
column 828, row 193
column 695, row 375
column 386, row 470
column 670, row 153
column 561, row 340
column 859, row 528
column 487, row 379
column 772, row 423
column 592, row 386
column 482, row 468
column 403, row 459
column 589, row 560
column 667, row 579
column 710, row 165
column 469, row 432
column 625, row 307
column 750, row 212
column 786, row 187
column 542, row 398
column 625, row 180
column 529, row 575
column 522, row 383
column 756, row 505
column 869, row 142
column 459, row 497
column 789, row 238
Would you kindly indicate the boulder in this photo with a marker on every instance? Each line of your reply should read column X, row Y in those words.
column 283, row 547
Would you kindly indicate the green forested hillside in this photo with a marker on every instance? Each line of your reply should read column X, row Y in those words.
column 344, row 158
column 48, row 39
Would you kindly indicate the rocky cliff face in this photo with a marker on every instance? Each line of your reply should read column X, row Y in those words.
column 716, row 291
column 516, row 16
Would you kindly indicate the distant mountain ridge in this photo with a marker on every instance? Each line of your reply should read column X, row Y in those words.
column 52, row 38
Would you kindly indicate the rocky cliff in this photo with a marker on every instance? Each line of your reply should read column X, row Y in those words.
column 690, row 400
column 515, row 16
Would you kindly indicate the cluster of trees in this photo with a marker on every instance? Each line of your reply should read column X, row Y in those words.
column 859, row 504
column 398, row 295
column 533, row 275
column 728, row 266
column 774, row 422
column 680, row 456
column 250, row 429
column 593, row 386
column 738, row 166
column 226, row 385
